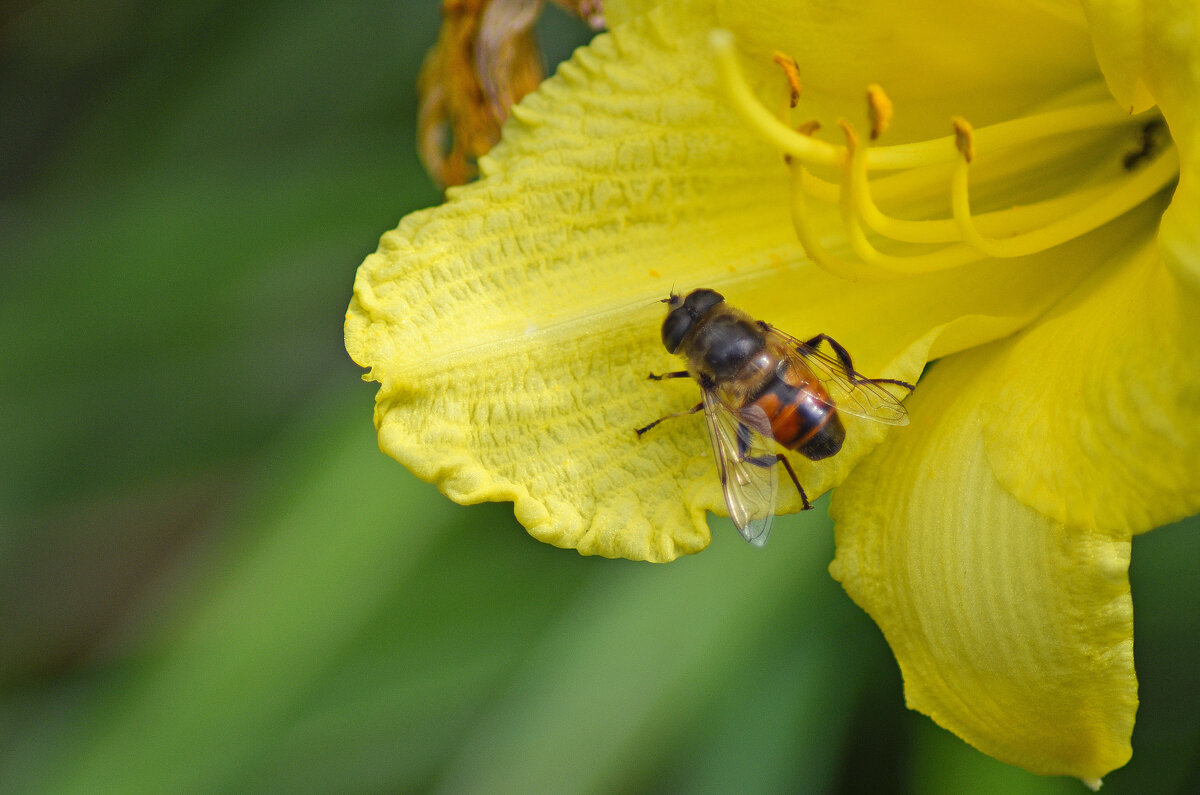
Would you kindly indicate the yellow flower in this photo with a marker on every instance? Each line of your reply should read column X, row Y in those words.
column 1044, row 250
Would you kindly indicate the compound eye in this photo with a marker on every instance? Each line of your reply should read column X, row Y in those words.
column 702, row 300
column 677, row 324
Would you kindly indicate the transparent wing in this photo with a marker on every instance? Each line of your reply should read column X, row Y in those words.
column 849, row 390
column 744, row 448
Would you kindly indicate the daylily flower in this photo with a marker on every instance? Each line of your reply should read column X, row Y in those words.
column 1028, row 218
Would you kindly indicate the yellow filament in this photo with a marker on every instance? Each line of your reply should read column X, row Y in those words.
column 938, row 150
column 1029, row 228
column 901, row 184
column 818, row 188
column 1111, row 203
column 830, row 263
column 855, row 174
column 964, row 138
column 859, row 196
column 1013, row 132
column 947, row 230
column 729, row 73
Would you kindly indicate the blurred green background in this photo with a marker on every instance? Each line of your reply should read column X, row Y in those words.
column 211, row 580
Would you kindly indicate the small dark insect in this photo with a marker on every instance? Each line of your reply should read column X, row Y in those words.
column 760, row 385
column 1149, row 144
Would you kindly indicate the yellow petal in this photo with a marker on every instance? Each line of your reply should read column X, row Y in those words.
column 1094, row 418
column 1173, row 52
column 511, row 329
column 1012, row 631
column 1118, row 33
column 1149, row 52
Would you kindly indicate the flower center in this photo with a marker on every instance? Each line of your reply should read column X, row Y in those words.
column 963, row 237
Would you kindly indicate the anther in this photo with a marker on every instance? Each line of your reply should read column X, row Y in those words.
column 809, row 127
column 733, row 83
column 964, row 138
column 879, row 110
column 791, row 70
column 924, row 165
column 855, row 198
column 851, row 135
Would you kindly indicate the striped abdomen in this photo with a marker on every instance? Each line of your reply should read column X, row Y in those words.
column 802, row 417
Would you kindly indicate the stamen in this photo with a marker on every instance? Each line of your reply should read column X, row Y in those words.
column 854, row 178
column 1013, row 220
column 830, row 263
column 924, row 166
column 828, row 192
column 733, row 82
column 1112, row 201
column 1011, row 133
column 938, row 150
column 896, row 228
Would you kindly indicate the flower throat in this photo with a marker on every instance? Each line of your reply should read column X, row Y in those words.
column 938, row 244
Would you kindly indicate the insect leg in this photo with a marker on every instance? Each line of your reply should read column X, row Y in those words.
column 791, row 473
column 743, row 435
column 843, row 357
column 692, row 410
column 676, row 374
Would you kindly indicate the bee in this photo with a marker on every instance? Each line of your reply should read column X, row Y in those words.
column 760, row 386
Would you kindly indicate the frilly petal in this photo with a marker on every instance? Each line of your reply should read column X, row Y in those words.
column 1011, row 630
column 511, row 329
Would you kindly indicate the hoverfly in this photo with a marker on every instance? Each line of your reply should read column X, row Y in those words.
column 758, row 386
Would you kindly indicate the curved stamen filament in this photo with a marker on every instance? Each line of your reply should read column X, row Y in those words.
column 830, row 263
column 859, row 190
column 921, row 170
column 854, row 178
column 1014, row 132
column 938, row 150
column 809, row 150
column 1114, row 201
column 1014, row 220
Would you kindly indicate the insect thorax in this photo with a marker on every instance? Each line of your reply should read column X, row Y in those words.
column 721, row 346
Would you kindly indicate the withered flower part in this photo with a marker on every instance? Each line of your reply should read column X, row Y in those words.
column 485, row 60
